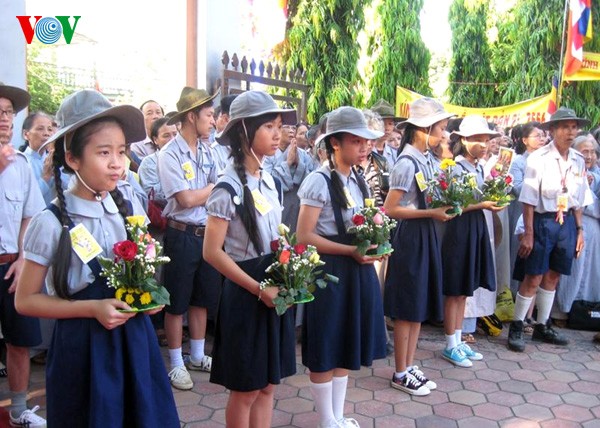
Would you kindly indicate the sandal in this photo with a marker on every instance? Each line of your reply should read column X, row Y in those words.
column 468, row 338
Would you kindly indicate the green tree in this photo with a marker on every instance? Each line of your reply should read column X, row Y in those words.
column 471, row 77
column 323, row 43
column 47, row 91
column 403, row 57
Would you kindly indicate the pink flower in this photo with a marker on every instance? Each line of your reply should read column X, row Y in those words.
column 494, row 173
column 151, row 251
column 378, row 219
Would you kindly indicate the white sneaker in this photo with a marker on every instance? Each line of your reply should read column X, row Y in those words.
column 414, row 370
column 28, row 419
column 180, row 378
column 348, row 423
column 204, row 365
column 469, row 353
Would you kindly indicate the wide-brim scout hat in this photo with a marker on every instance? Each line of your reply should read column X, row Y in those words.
column 350, row 120
column 385, row 110
column 189, row 99
column 564, row 113
column 82, row 107
column 473, row 125
column 425, row 112
column 253, row 104
column 19, row 97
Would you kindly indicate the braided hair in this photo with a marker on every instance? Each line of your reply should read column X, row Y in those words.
column 62, row 260
column 338, row 196
column 241, row 144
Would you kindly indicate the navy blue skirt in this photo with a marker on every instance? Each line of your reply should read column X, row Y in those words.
column 254, row 347
column 467, row 258
column 107, row 378
column 344, row 326
column 413, row 284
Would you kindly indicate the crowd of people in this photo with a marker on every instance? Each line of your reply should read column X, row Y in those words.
column 216, row 181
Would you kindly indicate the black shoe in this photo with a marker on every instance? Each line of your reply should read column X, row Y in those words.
column 546, row 333
column 515, row 337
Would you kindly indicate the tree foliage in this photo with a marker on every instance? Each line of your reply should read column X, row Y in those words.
column 323, row 42
column 403, row 57
column 527, row 55
column 471, row 77
column 47, row 91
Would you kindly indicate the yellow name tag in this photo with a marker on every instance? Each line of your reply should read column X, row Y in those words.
column 261, row 203
column 351, row 203
column 188, row 170
column 562, row 201
column 421, row 182
column 84, row 244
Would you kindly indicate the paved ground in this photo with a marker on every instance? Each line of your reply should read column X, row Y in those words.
column 547, row 386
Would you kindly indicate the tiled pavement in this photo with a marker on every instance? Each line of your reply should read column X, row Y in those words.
column 547, row 386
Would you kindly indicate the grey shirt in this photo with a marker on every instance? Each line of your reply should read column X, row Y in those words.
column 20, row 198
column 403, row 173
column 179, row 170
column 220, row 204
column 291, row 176
column 101, row 219
column 314, row 192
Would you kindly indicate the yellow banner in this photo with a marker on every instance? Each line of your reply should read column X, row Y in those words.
column 590, row 68
column 508, row 116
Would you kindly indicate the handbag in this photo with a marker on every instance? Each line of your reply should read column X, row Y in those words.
column 155, row 209
column 584, row 315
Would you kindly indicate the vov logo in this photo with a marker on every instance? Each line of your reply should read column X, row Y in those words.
column 48, row 29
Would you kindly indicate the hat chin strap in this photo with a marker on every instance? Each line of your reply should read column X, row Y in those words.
column 97, row 195
column 427, row 140
column 260, row 163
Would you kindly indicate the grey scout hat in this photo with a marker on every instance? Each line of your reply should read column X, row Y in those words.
column 350, row 120
column 425, row 112
column 564, row 113
column 253, row 104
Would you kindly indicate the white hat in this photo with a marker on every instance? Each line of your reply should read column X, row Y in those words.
column 425, row 112
column 350, row 120
column 473, row 125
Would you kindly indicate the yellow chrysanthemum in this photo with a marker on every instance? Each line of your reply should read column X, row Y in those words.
column 282, row 229
column 119, row 293
column 130, row 290
column 145, row 298
column 314, row 258
column 136, row 220
column 129, row 299
column 138, row 291
column 447, row 163
column 369, row 202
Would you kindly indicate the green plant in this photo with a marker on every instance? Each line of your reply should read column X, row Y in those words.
column 47, row 91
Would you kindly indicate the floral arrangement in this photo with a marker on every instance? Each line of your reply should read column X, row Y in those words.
column 131, row 271
column 372, row 226
column 498, row 187
column 294, row 270
column 449, row 188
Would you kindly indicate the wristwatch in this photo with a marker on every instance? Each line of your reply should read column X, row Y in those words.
column 579, row 227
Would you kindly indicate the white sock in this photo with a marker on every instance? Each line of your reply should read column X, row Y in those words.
column 323, row 397
column 450, row 341
column 522, row 304
column 544, row 300
column 400, row 375
column 339, row 386
column 197, row 349
column 458, row 336
column 176, row 358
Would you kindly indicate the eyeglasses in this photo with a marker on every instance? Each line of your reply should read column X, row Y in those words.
column 8, row 113
column 537, row 136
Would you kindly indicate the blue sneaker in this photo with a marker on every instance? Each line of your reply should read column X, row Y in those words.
column 457, row 357
column 469, row 353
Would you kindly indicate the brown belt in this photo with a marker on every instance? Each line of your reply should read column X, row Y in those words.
column 8, row 258
column 189, row 228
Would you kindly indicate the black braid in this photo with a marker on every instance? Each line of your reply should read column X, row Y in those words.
column 117, row 196
column 362, row 184
column 62, row 260
column 248, row 215
column 408, row 137
column 338, row 195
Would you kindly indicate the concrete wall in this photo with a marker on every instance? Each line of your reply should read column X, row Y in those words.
column 13, row 55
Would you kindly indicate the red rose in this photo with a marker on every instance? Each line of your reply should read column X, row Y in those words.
column 299, row 249
column 443, row 185
column 275, row 245
column 358, row 219
column 284, row 257
column 126, row 250
column 508, row 179
column 382, row 210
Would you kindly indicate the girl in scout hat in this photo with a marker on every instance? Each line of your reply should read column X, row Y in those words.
column 413, row 287
column 467, row 257
column 254, row 348
column 104, row 366
column 343, row 328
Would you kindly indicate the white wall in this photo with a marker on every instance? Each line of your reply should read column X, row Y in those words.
column 13, row 54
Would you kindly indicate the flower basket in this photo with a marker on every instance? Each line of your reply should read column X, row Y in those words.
column 371, row 226
column 295, row 270
column 451, row 188
column 497, row 188
column 131, row 271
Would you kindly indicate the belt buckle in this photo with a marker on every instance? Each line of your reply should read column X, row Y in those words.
column 199, row 231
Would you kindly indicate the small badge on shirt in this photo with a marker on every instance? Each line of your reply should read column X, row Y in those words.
column 188, row 170
column 84, row 244
column 562, row 201
column 351, row 203
column 421, row 182
column 260, row 202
